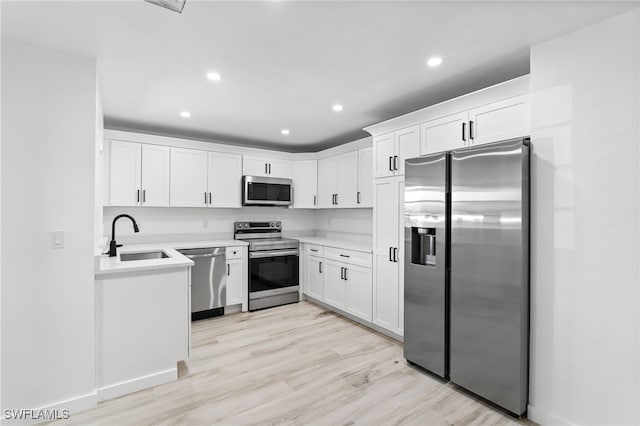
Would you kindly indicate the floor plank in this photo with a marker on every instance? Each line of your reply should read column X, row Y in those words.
column 295, row 365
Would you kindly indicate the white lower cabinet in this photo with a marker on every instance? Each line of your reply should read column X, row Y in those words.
column 234, row 282
column 358, row 291
column 334, row 284
column 313, row 283
column 340, row 278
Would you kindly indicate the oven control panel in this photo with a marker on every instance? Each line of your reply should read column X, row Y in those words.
column 258, row 226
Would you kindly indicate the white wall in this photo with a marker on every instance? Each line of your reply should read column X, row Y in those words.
column 352, row 221
column 48, row 133
column 585, row 360
column 166, row 223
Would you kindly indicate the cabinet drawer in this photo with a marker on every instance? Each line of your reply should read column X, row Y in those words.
column 314, row 250
column 348, row 256
column 234, row 252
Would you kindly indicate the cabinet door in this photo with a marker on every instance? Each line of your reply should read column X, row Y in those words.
column 234, row 282
column 125, row 173
column 224, row 173
column 443, row 134
column 383, row 152
column 385, row 293
column 407, row 145
column 387, row 225
column 314, row 277
column 254, row 166
column 510, row 118
column 155, row 175
column 305, row 184
column 347, row 180
column 334, row 286
column 359, row 290
column 279, row 168
column 188, row 178
column 365, row 177
column 326, row 182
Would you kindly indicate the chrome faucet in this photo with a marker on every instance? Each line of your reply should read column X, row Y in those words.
column 112, row 244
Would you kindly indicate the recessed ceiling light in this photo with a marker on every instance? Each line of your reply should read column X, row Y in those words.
column 185, row 114
column 337, row 107
column 434, row 62
column 213, row 76
column 284, row 131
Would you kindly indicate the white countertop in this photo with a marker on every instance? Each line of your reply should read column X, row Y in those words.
column 337, row 243
column 106, row 265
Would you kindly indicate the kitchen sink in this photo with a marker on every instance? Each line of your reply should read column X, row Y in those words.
column 125, row 257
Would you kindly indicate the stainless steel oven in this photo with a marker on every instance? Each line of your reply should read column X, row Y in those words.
column 273, row 264
column 265, row 191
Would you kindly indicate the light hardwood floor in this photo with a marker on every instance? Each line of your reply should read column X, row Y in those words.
column 295, row 364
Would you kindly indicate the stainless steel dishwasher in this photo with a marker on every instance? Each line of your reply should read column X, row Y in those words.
column 208, row 281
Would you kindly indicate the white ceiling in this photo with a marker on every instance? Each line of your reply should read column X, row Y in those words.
column 284, row 64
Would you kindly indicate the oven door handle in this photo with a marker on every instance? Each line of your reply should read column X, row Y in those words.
column 273, row 253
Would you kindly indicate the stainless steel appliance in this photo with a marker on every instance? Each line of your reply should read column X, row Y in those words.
column 273, row 264
column 265, row 191
column 208, row 281
column 467, row 269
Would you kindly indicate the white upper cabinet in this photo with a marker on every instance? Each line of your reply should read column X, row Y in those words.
column 189, row 178
column 268, row 167
column 383, row 150
column 327, row 174
column 125, row 173
column 390, row 151
column 407, row 145
column 224, row 181
column 139, row 174
column 365, row 177
column 155, row 175
column 445, row 133
column 347, row 180
column 506, row 119
column 305, row 184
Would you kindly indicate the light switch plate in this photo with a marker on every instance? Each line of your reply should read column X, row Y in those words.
column 57, row 239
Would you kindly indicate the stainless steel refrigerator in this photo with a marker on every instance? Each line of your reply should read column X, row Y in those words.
column 467, row 269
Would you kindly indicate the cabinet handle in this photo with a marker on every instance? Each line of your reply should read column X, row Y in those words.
column 471, row 130
column 320, row 267
column 144, row 196
column 390, row 164
column 342, row 273
column 395, row 162
column 358, row 197
column 345, row 274
column 314, row 250
column 344, row 255
column 228, row 272
column 390, row 254
column 269, row 168
column 314, row 200
column 205, row 198
column 395, row 254
column 138, row 196
column 209, row 198
column 336, row 199
column 265, row 168
column 464, row 133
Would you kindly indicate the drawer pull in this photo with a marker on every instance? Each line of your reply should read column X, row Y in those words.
column 314, row 250
column 344, row 255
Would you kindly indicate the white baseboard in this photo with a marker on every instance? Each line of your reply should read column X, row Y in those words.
column 545, row 418
column 74, row 405
column 139, row 383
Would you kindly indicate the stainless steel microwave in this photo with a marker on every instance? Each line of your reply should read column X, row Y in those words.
column 265, row 191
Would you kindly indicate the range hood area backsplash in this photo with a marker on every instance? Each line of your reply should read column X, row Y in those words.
column 164, row 224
